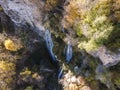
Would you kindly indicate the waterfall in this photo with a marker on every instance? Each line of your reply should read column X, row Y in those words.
column 68, row 52
column 49, row 44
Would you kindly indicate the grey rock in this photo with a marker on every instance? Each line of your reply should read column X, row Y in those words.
column 107, row 57
column 103, row 74
column 24, row 12
column 73, row 79
column 100, row 69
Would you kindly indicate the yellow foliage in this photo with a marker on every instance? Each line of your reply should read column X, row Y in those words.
column 88, row 46
column 10, row 45
column 72, row 10
column 51, row 4
column 5, row 66
column 26, row 72
column 35, row 75
column 7, row 72
column 1, row 9
column 72, row 13
column 29, row 88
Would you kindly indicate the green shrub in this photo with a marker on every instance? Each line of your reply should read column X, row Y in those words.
column 95, row 26
column 29, row 88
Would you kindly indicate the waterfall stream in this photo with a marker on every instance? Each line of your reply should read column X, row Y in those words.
column 49, row 44
column 68, row 52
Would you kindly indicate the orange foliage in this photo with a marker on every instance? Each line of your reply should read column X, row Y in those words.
column 72, row 12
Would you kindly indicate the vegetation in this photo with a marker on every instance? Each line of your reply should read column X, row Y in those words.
column 95, row 26
column 29, row 88
column 7, row 72
column 8, row 59
column 72, row 13
column 9, row 45
column 25, row 63
column 1, row 9
column 116, row 79
column 51, row 4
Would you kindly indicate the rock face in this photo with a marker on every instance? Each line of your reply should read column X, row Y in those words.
column 71, row 82
column 25, row 12
column 107, row 57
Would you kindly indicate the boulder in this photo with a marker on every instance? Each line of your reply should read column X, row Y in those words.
column 107, row 57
